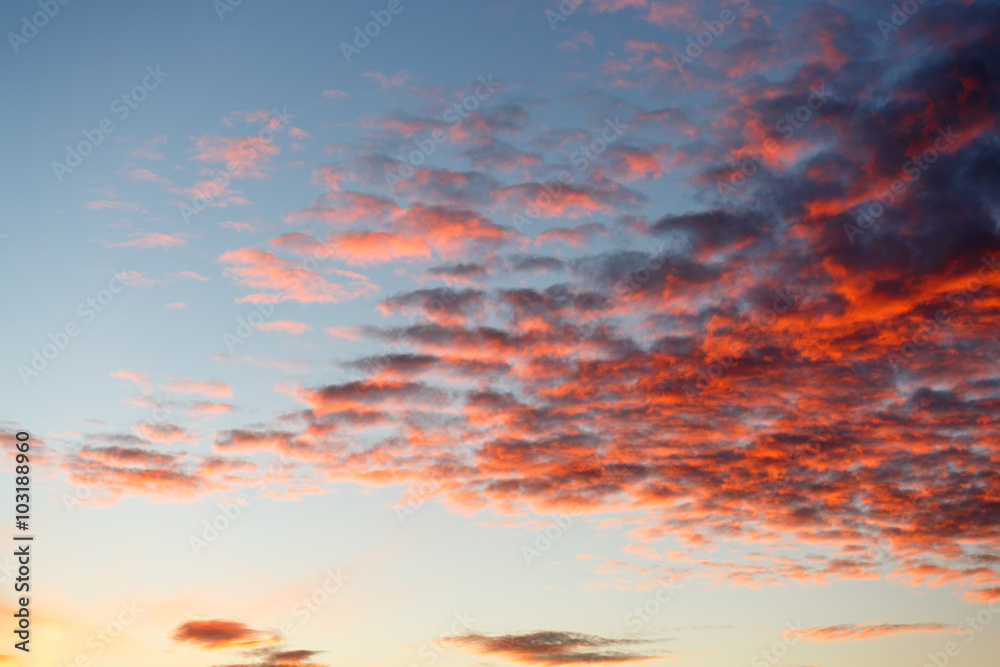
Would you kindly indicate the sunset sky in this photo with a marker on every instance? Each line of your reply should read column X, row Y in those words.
column 426, row 332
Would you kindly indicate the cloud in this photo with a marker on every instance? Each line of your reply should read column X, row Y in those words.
column 334, row 94
column 350, row 333
column 241, row 439
column 244, row 157
column 240, row 227
column 858, row 632
column 212, row 388
column 553, row 648
column 983, row 595
column 286, row 326
column 126, row 456
column 734, row 369
column 402, row 78
column 153, row 240
column 189, row 275
column 139, row 379
column 575, row 236
column 279, row 658
column 377, row 247
column 207, row 409
column 220, row 634
column 105, row 204
column 146, row 176
column 286, row 279
column 122, row 471
column 162, row 432
column 147, row 149
column 465, row 273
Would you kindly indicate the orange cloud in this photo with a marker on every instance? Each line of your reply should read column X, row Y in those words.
column 858, row 632
column 220, row 634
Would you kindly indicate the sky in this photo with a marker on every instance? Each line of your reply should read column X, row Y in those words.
column 403, row 333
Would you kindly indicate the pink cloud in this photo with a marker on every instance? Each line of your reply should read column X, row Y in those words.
column 290, row 280
column 397, row 80
column 212, row 388
column 163, row 433
column 376, row 247
column 244, row 157
column 240, row 227
column 146, row 149
column 145, row 175
column 286, row 326
column 113, row 205
column 189, row 275
column 350, row 333
column 135, row 377
column 616, row 5
column 136, row 279
column 153, row 240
